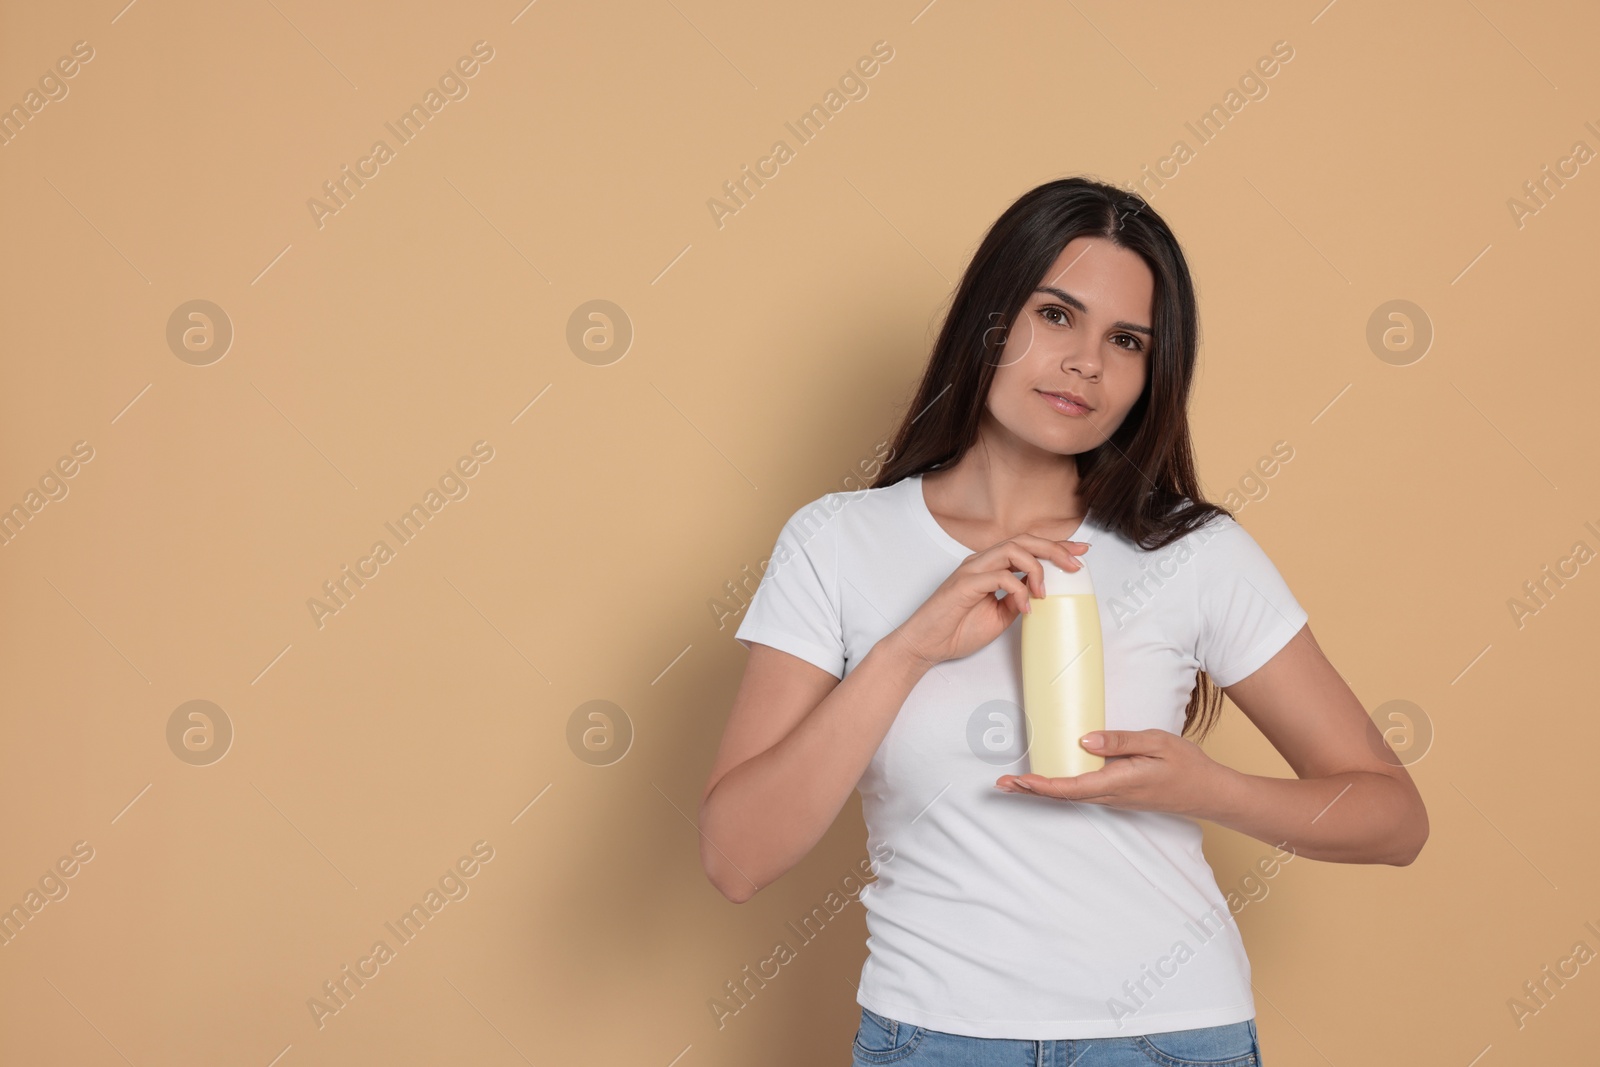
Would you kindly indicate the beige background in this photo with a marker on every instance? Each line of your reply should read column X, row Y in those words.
column 769, row 357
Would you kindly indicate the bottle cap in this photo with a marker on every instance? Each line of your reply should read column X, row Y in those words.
column 1059, row 581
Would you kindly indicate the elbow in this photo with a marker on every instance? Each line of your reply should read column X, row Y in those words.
column 731, row 884
column 734, row 894
column 1415, row 835
column 727, row 881
column 1405, row 859
column 720, row 871
column 1409, row 856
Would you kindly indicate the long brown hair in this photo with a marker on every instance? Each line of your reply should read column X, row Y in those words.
column 1140, row 482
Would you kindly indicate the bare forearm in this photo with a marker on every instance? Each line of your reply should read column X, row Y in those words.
column 1351, row 817
column 764, row 815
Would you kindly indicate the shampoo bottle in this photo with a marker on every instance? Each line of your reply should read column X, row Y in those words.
column 1063, row 673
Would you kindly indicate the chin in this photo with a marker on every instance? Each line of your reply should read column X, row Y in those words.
column 1060, row 444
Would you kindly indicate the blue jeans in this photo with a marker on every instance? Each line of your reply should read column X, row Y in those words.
column 883, row 1040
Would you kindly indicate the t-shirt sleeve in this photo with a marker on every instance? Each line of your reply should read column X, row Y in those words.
column 795, row 608
column 1247, row 612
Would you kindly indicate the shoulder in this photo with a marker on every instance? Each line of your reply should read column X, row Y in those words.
column 1221, row 524
column 1218, row 541
column 841, row 523
column 840, row 515
column 1211, row 549
column 1226, row 554
column 1200, row 533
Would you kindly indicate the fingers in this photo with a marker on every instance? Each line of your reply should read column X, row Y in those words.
column 990, row 573
column 994, row 569
column 1124, row 742
column 1016, row 558
column 1016, row 593
column 1063, row 554
column 973, row 583
column 1020, row 557
column 1090, row 786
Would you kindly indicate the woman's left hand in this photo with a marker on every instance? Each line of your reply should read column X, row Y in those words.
column 1146, row 770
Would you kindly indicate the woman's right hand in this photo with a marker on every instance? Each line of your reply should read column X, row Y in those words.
column 963, row 614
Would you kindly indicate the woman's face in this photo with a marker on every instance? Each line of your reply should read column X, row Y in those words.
column 1085, row 331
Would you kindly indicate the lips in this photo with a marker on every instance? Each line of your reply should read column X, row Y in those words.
column 1067, row 403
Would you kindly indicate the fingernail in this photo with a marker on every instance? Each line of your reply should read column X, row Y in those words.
column 1092, row 740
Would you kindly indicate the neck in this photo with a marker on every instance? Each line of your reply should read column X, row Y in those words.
column 1008, row 488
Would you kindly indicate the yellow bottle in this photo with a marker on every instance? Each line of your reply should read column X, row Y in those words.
column 1063, row 673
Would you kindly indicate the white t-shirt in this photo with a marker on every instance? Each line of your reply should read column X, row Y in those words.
column 1009, row 916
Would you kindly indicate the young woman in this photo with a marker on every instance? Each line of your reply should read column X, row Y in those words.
column 1020, row 919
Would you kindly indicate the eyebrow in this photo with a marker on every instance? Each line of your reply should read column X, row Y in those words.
column 1068, row 298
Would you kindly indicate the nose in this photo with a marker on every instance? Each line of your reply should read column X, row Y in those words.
column 1082, row 359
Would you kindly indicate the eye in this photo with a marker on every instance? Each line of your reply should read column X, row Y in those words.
column 1059, row 310
column 1133, row 345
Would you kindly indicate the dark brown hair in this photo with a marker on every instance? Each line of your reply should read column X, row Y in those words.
column 1140, row 482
